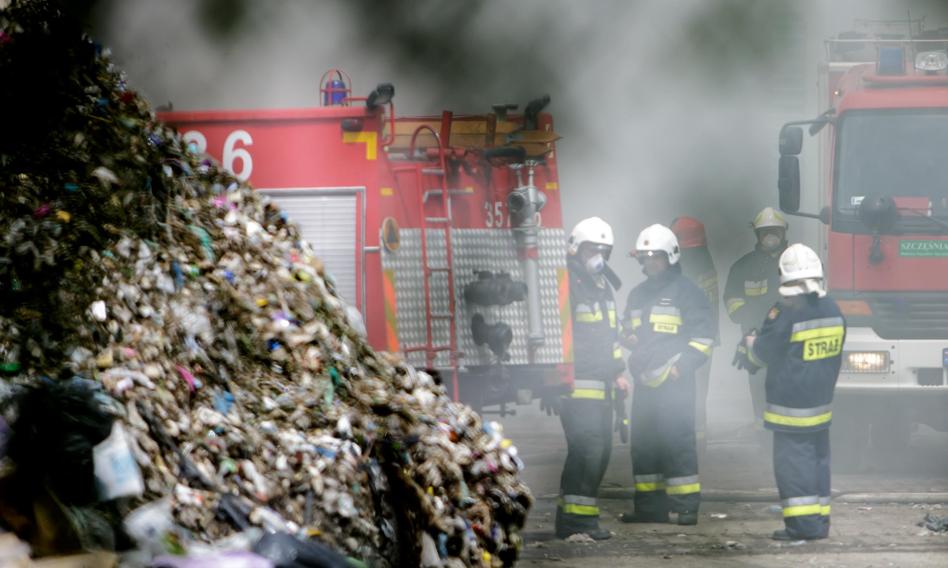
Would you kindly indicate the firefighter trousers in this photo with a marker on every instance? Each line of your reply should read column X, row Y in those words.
column 702, row 382
column 802, row 469
column 664, row 453
column 587, row 424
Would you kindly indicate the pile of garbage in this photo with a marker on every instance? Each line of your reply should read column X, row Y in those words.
column 180, row 375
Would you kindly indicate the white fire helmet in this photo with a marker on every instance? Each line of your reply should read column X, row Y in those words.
column 801, row 271
column 769, row 217
column 591, row 230
column 658, row 238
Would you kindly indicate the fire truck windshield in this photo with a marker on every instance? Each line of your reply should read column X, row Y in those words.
column 902, row 154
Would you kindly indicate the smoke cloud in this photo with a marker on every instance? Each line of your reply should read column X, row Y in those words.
column 666, row 108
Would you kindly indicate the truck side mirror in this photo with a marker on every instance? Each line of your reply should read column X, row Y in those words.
column 791, row 140
column 788, row 183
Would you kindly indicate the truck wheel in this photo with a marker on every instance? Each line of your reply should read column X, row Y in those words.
column 849, row 440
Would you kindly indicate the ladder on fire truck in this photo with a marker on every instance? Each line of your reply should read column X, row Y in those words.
column 432, row 182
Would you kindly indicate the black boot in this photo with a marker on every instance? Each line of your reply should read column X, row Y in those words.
column 599, row 534
column 782, row 534
column 688, row 518
column 644, row 517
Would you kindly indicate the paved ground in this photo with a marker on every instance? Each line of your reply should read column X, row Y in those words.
column 875, row 512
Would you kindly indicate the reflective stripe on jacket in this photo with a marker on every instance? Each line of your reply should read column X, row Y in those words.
column 801, row 343
column 671, row 318
column 752, row 288
column 596, row 352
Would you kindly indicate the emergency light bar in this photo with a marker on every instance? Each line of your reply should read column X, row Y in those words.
column 931, row 61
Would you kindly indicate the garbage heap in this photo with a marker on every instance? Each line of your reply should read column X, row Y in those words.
column 146, row 287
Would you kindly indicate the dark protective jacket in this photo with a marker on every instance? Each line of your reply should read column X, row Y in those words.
column 671, row 318
column 801, row 343
column 751, row 288
column 596, row 352
column 697, row 266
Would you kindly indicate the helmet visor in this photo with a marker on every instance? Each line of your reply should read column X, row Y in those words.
column 642, row 255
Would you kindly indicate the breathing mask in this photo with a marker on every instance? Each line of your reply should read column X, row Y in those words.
column 595, row 264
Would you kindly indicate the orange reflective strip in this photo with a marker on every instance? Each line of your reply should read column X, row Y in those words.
column 391, row 310
column 566, row 320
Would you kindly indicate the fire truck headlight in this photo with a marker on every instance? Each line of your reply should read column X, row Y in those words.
column 865, row 362
column 931, row 61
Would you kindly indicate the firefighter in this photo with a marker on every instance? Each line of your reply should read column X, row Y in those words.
column 586, row 413
column 801, row 344
column 697, row 266
column 667, row 329
column 751, row 287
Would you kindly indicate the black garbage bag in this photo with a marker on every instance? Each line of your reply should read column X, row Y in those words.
column 935, row 523
column 51, row 499
column 57, row 424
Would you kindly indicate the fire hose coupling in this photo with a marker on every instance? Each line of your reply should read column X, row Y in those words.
column 525, row 202
column 494, row 289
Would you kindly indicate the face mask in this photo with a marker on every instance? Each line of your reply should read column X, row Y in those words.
column 596, row 264
column 770, row 242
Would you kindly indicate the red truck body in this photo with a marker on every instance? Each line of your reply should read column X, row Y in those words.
column 406, row 212
column 884, row 238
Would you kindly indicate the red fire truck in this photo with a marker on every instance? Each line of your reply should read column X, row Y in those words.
column 444, row 232
column 884, row 238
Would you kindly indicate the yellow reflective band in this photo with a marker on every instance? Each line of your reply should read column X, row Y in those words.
column 683, row 489
column 650, row 486
column 756, row 291
column 617, row 353
column 588, row 317
column 665, row 318
column 587, row 510
column 636, row 323
column 801, row 510
column 706, row 349
column 665, row 328
column 657, row 382
column 832, row 331
column 825, row 510
column 734, row 304
column 801, row 421
column 612, row 318
column 753, row 358
column 591, row 394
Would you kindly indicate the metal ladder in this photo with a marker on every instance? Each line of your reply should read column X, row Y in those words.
column 432, row 182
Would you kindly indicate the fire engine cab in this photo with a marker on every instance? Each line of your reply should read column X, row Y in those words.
column 883, row 205
column 445, row 232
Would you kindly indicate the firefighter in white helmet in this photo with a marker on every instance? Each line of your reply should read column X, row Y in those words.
column 667, row 327
column 751, row 287
column 801, row 344
column 586, row 411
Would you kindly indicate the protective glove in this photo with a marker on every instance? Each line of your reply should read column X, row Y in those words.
column 550, row 403
column 741, row 355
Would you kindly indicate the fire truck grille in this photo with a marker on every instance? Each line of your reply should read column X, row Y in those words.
column 910, row 318
column 474, row 250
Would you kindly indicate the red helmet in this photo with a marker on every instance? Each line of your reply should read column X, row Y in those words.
column 690, row 232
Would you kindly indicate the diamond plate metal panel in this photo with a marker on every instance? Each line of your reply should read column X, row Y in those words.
column 474, row 250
